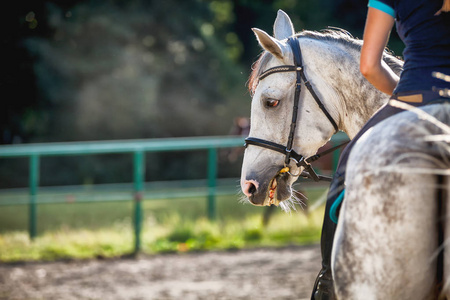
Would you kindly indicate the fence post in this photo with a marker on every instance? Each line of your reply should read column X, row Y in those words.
column 212, row 178
column 34, row 183
column 139, row 177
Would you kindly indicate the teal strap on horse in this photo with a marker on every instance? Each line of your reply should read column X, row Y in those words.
column 334, row 207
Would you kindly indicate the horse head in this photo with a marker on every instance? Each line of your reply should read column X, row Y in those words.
column 274, row 117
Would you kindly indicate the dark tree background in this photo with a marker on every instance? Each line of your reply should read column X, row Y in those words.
column 92, row 70
column 122, row 69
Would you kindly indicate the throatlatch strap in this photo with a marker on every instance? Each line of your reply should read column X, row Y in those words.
column 295, row 46
column 316, row 98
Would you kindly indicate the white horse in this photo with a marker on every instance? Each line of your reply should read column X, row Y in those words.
column 331, row 64
column 386, row 245
column 391, row 225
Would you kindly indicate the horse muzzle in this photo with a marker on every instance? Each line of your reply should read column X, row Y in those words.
column 269, row 190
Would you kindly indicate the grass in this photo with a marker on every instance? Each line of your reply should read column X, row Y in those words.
column 93, row 230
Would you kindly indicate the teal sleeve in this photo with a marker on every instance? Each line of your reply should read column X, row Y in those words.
column 377, row 4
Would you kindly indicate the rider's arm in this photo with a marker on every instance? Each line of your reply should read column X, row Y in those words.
column 376, row 34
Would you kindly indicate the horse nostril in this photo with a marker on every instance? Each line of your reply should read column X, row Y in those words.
column 249, row 188
column 252, row 189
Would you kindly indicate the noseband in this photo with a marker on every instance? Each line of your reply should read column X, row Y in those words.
column 287, row 150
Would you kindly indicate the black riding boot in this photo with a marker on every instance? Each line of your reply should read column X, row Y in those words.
column 323, row 287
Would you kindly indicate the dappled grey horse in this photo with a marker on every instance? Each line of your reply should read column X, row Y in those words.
column 330, row 62
column 388, row 220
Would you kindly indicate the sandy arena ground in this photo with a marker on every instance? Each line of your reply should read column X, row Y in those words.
column 286, row 273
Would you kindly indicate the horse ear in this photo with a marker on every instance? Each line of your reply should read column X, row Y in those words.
column 269, row 43
column 283, row 28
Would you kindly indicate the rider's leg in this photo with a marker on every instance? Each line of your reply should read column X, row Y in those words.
column 323, row 287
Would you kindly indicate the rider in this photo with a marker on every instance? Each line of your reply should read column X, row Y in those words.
column 424, row 27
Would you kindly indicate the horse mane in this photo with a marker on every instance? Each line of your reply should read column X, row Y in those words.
column 335, row 35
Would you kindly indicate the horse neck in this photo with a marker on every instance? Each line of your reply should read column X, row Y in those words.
column 354, row 99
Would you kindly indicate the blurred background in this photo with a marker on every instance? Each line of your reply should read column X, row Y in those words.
column 80, row 70
column 102, row 69
column 108, row 69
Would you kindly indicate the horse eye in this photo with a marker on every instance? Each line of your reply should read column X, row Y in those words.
column 272, row 102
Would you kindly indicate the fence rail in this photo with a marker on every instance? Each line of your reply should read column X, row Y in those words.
column 120, row 146
column 209, row 187
column 117, row 192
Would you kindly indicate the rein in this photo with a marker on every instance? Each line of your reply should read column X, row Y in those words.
column 287, row 150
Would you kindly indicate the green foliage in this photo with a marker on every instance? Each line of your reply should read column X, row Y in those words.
column 76, row 231
column 253, row 234
column 142, row 69
column 180, row 234
column 120, row 69
column 128, row 69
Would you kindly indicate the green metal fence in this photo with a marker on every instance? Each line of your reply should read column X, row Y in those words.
column 137, row 148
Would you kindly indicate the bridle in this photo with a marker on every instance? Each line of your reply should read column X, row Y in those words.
column 287, row 150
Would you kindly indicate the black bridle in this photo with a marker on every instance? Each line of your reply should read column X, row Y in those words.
column 287, row 150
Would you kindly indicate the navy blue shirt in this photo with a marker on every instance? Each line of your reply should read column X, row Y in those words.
column 426, row 38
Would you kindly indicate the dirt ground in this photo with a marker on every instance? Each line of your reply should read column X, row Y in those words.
column 286, row 273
